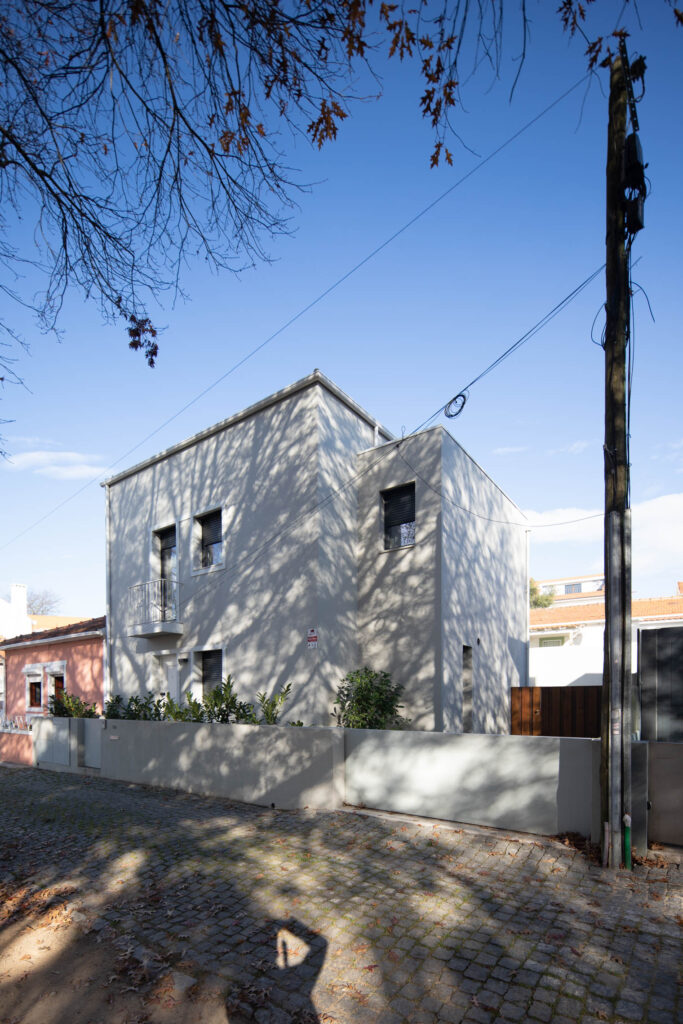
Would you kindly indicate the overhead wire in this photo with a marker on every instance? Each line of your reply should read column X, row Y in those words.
column 538, row 326
column 305, row 309
column 393, row 446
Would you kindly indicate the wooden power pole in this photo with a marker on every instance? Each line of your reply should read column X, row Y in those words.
column 616, row 691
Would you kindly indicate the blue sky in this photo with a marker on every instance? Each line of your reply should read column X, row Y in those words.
column 409, row 329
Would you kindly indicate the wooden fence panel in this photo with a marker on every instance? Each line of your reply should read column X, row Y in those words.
column 555, row 710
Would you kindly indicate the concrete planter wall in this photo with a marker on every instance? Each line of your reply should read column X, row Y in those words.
column 287, row 767
column 535, row 784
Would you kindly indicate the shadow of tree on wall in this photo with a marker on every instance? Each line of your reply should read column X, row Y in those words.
column 295, row 913
column 288, row 556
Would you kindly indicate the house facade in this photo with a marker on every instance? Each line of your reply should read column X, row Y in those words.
column 40, row 665
column 296, row 541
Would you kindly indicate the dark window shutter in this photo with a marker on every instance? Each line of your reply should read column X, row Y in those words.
column 212, row 668
column 166, row 538
column 211, row 528
column 399, row 506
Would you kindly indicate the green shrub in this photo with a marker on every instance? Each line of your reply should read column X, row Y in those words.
column 369, row 700
column 219, row 705
column 223, row 705
column 146, row 708
column 67, row 705
column 272, row 706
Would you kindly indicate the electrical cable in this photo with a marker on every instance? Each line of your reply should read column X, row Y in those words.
column 458, row 402
column 500, row 522
column 430, row 206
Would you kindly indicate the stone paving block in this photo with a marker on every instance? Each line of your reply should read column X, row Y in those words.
column 629, row 1010
column 480, row 1016
column 512, row 1012
column 422, row 910
column 539, row 1010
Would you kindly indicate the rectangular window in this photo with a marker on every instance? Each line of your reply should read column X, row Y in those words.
column 572, row 588
column 59, row 686
column 212, row 669
column 211, row 539
column 551, row 641
column 35, row 694
column 168, row 553
column 398, row 506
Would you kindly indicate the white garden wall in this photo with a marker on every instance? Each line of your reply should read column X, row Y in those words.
column 286, row 767
column 535, row 784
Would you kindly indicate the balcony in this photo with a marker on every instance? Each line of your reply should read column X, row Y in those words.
column 153, row 609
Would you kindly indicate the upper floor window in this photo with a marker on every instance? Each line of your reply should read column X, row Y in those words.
column 210, row 539
column 572, row 588
column 168, row 553
column 398, row 505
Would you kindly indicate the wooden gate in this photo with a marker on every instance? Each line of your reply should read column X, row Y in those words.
column 555, row 710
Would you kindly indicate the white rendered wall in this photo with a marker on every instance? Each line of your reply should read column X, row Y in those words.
column 399, row 591
column 463, row 582
column 289, row 557
column 535, row 784
column 484, row 587
column 578, row 662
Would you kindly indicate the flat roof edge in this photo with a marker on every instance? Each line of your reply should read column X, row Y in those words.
column 445, row 433
column 313, row 379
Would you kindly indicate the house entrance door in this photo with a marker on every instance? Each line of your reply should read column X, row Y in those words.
column 169, row 664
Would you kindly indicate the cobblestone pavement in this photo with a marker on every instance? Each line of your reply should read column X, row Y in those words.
column 347, row 917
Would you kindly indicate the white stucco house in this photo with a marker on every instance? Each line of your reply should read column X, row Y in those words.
column 298, row 540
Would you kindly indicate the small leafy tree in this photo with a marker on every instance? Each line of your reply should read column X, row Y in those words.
column 67, row 705
column 223, row 705
column 536, row 598
column 369, row 700
column 173, row 711
column 272, row 706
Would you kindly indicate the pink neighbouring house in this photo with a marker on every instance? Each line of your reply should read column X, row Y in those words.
column 40, row 665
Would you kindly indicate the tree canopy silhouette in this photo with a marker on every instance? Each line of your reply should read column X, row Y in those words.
column 136, row 134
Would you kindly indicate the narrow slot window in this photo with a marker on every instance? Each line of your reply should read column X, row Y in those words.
column 467, row 675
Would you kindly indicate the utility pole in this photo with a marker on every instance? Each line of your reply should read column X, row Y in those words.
column 624, row 172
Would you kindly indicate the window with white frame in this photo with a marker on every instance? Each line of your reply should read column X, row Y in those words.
column 209, row 539
column 35, row 692
column 44, row 680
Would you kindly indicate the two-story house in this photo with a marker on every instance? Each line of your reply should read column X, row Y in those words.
column 298, row 540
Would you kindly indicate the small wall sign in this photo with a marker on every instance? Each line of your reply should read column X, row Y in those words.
column 312, row 637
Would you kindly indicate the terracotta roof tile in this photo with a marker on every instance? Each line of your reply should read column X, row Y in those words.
column 644, row 608
column 75, row 629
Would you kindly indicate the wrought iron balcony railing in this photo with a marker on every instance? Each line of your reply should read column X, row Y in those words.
column 153, row 608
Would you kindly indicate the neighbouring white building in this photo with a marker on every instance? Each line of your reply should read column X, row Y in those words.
column 575, row 589
column 14, row 617
column 298, row 540
column 566, row 640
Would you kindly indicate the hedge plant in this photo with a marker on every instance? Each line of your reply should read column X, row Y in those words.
column 369, row 700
